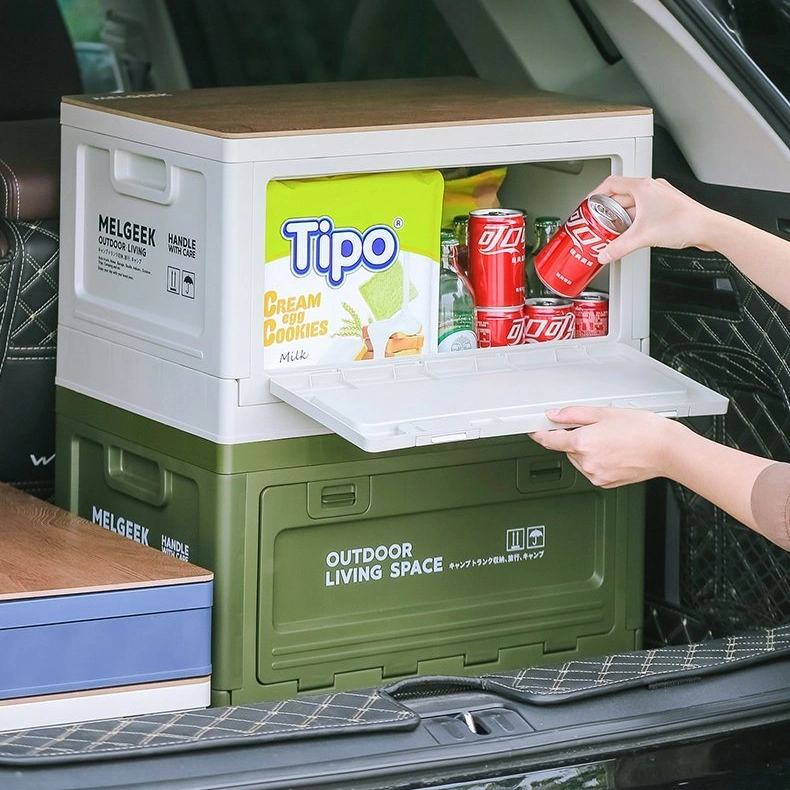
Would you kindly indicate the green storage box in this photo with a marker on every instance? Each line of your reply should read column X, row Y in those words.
column 336, row 569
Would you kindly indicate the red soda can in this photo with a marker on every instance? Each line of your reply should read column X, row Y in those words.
column 548, row 318
column 591, row 309
column 499, row 326
column 496, row 257
column 570, row 260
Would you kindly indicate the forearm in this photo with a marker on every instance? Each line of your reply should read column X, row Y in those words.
column 771, row 503
column 663, row 216
column 723, row 475
column 761, row 256
column 614, row 446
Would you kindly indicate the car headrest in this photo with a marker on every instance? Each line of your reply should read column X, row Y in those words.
column 30, row 169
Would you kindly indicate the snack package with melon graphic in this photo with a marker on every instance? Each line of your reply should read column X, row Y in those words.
column 467, row 192
column 351, row 268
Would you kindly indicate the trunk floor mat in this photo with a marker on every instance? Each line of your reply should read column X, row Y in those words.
column 583, row 678
column 381, row 710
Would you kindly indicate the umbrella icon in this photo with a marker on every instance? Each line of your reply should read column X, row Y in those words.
column 536, row 537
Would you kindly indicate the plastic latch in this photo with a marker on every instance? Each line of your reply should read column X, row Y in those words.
column 339, row 496
column 471, row 725
column 546, row 473
column 329, row 498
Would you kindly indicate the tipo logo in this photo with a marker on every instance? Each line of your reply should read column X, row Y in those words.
column 317, row 245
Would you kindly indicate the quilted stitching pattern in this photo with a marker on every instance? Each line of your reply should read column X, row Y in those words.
column 586, row 677
column 331, row 714
column 376, row 710
column 665, row 625
column 729, row 575
column 28, row 328
column 32, row 299
column 9, row 189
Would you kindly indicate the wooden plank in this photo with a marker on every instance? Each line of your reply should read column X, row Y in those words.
column 318, row 108
column 45, row 550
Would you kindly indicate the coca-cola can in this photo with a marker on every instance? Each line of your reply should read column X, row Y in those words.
column 548, row 318
column 496, row 239
column 499, row 326
column 570, row 260
column 591, row 309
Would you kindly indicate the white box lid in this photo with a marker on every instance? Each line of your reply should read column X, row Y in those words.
column 400, row 404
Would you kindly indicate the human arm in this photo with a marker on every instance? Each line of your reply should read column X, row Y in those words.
column 663, row 216
column 615, row 446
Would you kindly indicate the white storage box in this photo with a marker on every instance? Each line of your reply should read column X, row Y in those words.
column 164, row 259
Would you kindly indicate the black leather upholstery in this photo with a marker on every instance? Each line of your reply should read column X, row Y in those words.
column 38, row 66
column 28, row 325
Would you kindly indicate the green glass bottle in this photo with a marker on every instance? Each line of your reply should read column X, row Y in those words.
column 456, row 302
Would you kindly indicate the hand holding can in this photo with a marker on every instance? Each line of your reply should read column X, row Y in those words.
column 569, row 261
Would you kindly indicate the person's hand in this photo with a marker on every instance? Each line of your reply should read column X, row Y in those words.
column 662, row 216
column 613, row 446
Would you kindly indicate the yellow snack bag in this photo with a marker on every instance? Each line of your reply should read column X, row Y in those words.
column 351, row 267
column 463, row 194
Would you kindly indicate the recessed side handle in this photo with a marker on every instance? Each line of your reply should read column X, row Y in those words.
column 140, row 478
column 147, row 177
column 783, row 225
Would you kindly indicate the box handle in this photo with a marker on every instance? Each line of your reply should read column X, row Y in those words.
column 146, row 177
column 328, row 498
column 339, row 496
column 137, row 477
column 544, row 474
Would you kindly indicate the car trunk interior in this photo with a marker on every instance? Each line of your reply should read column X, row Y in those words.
column 712, row 674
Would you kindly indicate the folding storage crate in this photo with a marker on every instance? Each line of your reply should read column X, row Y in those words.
column 354, row 532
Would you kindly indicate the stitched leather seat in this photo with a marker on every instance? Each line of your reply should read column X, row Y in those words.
column 39, row 66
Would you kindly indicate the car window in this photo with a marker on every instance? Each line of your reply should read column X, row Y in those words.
column 83, row 18
column 101, row 69
column 764, row 27
column 761, row 28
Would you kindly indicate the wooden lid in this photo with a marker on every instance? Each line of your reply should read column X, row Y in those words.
column 45, row 550
column 263, row 110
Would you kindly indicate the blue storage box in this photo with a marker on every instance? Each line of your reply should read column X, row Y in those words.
column 104, row 639
column 91, row 617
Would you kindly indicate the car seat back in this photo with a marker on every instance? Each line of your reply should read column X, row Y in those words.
column 38, row 65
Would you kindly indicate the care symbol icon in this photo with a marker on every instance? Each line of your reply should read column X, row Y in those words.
column 188, row 284
column 516, row 538
column 525, row 538
column 173, row 279
column 536, row 537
